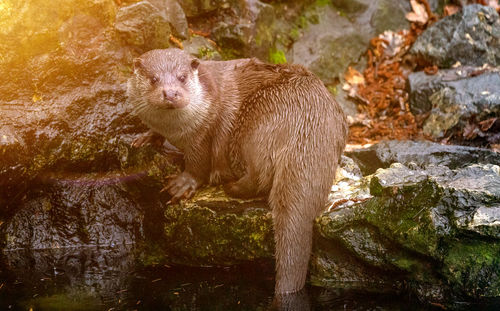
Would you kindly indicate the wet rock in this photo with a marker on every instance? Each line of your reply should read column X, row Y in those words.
column 87, row 211
column 251, row 34
column 212, row 229
column 422, row 153
column 142, row 25
column 62, row 106
column 471, row 37
column 416, row 227
column 457, row 102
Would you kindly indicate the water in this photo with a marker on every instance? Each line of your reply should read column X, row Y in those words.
column 111, row 279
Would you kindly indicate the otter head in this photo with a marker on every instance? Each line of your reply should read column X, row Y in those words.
column 168, row 78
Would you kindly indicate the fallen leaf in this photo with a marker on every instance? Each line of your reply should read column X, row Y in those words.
column 419, row 14
column 450, row 9
column 494, row 4
column 392, row 42
column 354, row 77
column 470, row 131
column 487, row 124
column 176, row 42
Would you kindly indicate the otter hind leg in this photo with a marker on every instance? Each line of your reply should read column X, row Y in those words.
column 243, row 188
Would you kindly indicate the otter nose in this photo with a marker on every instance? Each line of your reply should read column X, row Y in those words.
column 170, row 95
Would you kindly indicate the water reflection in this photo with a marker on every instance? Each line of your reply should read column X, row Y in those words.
column 92, row 278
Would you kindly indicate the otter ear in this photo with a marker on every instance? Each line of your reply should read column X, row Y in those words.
column 195, row 63
column 138, row 64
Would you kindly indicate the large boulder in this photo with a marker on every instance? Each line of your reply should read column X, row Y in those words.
column 428, row 225
column 470, row 36
column 422, row 153
column 456, row 104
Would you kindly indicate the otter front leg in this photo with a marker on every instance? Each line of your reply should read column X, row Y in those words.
column 149, row 138
column 195, row 174
column 183, row 186
column 160, row 144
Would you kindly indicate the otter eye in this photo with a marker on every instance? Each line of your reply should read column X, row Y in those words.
column 154, row 80
column 182, row 78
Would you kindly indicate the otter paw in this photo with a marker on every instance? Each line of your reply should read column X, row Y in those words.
column 149, row 138
column 181, row 187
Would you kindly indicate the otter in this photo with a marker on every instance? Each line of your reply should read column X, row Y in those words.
column 258, row 129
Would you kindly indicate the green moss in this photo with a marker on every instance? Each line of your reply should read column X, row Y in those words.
column 277, row 56
column 206, row 53
column 321, row 3
column 211, row 229
column 473, row 268
column 332, row 89
column 295, row 34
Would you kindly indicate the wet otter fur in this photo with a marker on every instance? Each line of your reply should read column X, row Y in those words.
column 260, row 129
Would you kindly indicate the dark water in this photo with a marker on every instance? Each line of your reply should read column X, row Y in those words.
column 110, row 279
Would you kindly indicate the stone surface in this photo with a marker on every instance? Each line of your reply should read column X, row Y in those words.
column 142, row 25
column 68, row 212
column 460, row 101
column 250, row 34
column 202, row 48
column 421, row 226
column 328, row 37
column 194, row 8
column 174, row 14
column 422, row 86
column 422, row 153
column 471, row 37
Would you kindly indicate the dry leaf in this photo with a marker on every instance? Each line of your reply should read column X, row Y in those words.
column 450, row 9
column 487, row 124
column 494, row 4
column 470, row 131
column 354, row 77
column 419, row 14
column 392, row 42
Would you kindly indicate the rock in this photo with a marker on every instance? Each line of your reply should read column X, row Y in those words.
column 173, row 13
column 62, row 110
column 142, row 25
column 422, row 86
column 458, row 102
column 212, row 229
column 194, row 8
column 327, row 43
column 68, row 212
column 327, row 38
column 201, row 48
column 422, row 153
column 249, row 35
column 424, row 226
column 471, row 37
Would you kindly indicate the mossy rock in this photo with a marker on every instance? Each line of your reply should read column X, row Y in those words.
column 213, row 229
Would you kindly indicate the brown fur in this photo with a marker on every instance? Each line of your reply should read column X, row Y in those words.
column 273, row 130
